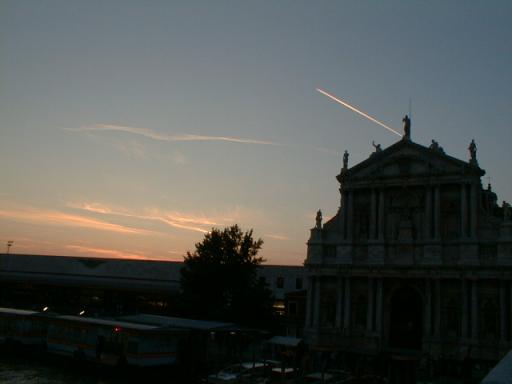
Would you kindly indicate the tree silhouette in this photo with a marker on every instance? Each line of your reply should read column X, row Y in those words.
column 219, row 280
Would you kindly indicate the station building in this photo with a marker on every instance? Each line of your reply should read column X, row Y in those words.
column 117, row 286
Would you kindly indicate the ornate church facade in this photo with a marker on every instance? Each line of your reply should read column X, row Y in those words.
column 417, row 260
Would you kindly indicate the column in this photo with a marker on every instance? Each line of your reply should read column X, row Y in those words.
column 381, row 214
column 427, row 232
column 316, row 303
column 346, row 311
column 369, row 311
column 428, row 308
column 309, row 304
column 474, row 309
column 339, row 303
column 510, row 312
column 378, row 307
column 344, row 207
column 437, row 212
column 465, row 310
column 437, row 304
column 473, row 210
column 463, row 213
column 350, row 214
column 373, row 215
column 503, row 310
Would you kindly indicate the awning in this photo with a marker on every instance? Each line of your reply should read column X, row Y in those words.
column 286, row 341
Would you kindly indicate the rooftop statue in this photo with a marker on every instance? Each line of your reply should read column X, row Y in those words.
column 407, row 128
column 318, row 220
column 472, row 153
column 377, row 147
column 506, row 211
column 345, row 160
column 435, row 146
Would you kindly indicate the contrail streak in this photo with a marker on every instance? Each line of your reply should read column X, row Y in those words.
column 151, row 134
column 358, row 111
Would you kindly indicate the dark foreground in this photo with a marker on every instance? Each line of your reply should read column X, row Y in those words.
column 20, row 367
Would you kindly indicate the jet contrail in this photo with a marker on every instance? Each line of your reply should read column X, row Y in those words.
column 357, row 111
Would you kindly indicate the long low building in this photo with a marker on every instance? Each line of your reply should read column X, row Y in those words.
column 69, row 282
column 120, row 274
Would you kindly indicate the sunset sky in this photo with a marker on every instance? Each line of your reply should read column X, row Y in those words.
column 129, row 128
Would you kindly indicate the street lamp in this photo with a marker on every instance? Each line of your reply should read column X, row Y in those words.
column 9, row 245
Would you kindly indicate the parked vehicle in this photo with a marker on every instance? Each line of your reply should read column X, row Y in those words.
column 22, row 326
column 112, row 342
column 239, row 373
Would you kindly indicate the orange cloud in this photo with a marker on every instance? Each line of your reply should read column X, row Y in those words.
column 39, row 216
column 173, row 219
column 104, row 252
column 276, row 237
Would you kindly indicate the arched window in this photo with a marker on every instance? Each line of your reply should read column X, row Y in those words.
column 359, row 308
column 489, row 315
column 450, row 318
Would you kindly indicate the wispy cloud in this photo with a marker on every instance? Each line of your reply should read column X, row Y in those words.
column 131, row 148
column 105, row 252
column 179, row 158
column 276, row 237
column 154, row 135
column 137, row 150
column 191, row 222
column 41, row 216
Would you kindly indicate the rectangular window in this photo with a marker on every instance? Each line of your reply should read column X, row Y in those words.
column 329, row 251
column 280, row 282
column 298, row 283
column 292, row 308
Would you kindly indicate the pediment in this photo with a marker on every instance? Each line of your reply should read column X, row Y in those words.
column 408, row 159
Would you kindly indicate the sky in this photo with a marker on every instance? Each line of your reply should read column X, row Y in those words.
column 130, row 128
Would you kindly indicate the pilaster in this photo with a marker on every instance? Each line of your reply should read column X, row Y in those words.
column 465, row 309
column 463, row 213
column 316, row 303
column 309, row 304
column 339, row 302
column 428, row 308
column 378, row 306
column 347, row 302
column 381, row 222
column 373, row 216
column 474, row 310
column 437, row 212
column 503, row 311
column 369, row 311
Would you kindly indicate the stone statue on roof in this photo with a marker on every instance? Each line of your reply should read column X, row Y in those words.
column 377, row 147
column 436, row 147
column 318, row 220
column 345, row 160
column 506, row 211
column 407, row 128
column 472, row 153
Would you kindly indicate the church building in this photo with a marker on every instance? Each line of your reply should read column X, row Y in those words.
column 416, row 262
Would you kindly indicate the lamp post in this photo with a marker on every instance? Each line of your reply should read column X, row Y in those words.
column 9, row 245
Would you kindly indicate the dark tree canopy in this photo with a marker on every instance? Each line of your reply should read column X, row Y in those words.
column 219, row 280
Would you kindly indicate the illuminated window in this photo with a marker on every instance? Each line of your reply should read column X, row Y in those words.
column 279, row 307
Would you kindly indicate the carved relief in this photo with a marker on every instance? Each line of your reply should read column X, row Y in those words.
column 405, row 214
